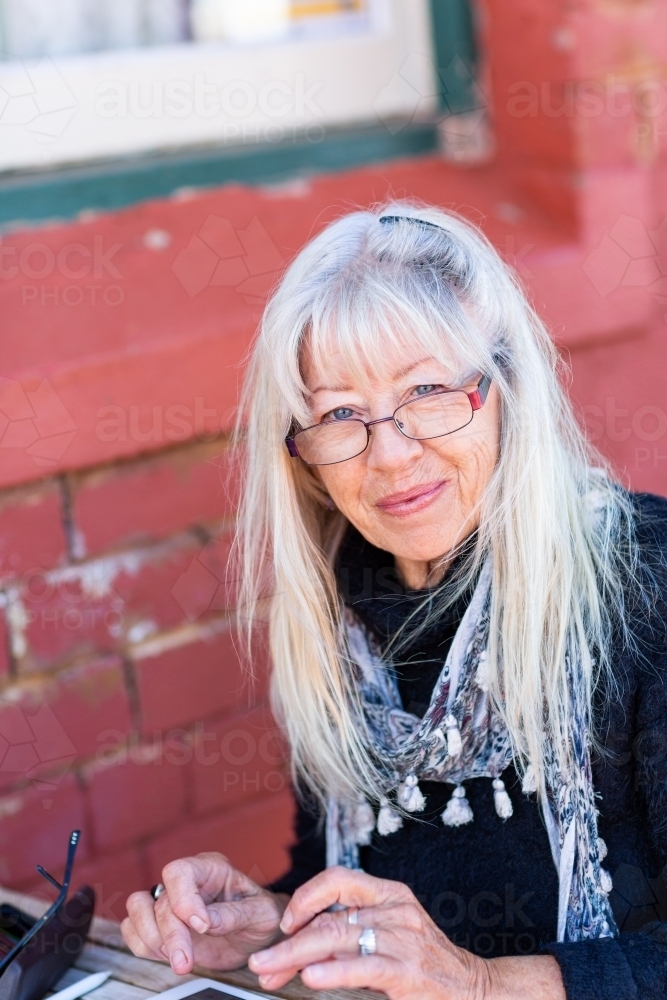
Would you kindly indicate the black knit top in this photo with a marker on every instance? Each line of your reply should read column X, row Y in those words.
column 491, row 885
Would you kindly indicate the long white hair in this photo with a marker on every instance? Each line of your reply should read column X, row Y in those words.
column 558, row 527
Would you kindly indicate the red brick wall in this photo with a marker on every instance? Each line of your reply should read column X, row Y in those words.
column 123, row 709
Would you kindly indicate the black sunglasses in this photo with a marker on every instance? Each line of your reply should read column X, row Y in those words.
column 53, row 909
column 35, row 953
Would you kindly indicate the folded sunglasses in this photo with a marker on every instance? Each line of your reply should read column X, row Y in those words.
column 34, row 953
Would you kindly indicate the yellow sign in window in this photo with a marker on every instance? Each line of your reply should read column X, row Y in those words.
column 324, row 8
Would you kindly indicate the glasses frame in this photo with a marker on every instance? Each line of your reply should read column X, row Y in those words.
column 477, row 399
column 55, row 906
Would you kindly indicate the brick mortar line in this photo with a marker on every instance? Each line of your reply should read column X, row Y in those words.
column 82, row 765
column 164, row 641
column 145, row 460
column 12, row 662
column 204, row 817
column 132, row 691
column 69, row 530
column 87, row 806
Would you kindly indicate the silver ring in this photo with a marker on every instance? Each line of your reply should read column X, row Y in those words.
column 367, row 941
column 353, row 916
column 157, row 890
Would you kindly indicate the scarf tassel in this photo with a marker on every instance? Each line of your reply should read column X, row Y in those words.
column 458, row 811
column 482, row 674
column 502, row 800
column 410, row 795
column 606, row 883
column 389, row 821
column 529, row 783
column 454, row 743
column 364, row 823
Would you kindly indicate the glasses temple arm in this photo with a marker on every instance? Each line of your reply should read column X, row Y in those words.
column 50, row 878
column 71, row 851
column 478, row 397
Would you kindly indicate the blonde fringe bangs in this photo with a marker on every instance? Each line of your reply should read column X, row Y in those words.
column 559, row 528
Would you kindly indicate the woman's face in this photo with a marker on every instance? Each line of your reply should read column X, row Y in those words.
column 415, row 499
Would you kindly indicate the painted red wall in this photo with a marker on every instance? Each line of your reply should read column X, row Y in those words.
column 123, row 707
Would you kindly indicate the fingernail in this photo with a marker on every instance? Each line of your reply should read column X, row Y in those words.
column 314, row 972
column 215, row 918
column 178, row 960
column 286, row 922
column 261, row 958
column 198, row 924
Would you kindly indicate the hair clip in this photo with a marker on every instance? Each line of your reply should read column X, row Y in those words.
column 409, row 218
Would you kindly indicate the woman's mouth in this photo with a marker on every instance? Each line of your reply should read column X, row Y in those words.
column 410, row 501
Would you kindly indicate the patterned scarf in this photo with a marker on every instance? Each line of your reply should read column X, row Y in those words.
column 459, row 738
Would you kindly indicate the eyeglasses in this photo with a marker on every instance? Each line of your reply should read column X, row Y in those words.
column 433, row 415
column 53, row 909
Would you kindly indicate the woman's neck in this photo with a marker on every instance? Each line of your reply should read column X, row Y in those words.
column 418, row 575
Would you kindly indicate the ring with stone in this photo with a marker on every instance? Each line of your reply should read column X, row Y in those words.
column 157, row 890
column 353, row 916
column 367, row 941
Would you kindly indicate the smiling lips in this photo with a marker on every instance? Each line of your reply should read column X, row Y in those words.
column 411, row 501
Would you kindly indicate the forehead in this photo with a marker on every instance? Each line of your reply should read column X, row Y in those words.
column 336, row 366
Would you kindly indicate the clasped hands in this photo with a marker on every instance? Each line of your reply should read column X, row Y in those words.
column 214, row 916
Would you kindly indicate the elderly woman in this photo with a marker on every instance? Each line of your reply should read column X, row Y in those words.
column 467, row 630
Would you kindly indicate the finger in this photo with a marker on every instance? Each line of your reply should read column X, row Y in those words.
column 237, row 915
column 338, row 885
column 276, row 981
column 328, row 936
column 135, row 943
column 193, row 883
column 176, row 936
column 141, row 913
column 408, row 916
column 375, row 972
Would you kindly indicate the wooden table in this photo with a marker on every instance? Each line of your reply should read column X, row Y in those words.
column 140, row 979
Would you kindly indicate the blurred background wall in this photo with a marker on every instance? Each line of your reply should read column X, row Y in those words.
column 160, row 163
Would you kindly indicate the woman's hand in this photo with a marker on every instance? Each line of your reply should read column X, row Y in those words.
column 210, row 915
column 413, row 959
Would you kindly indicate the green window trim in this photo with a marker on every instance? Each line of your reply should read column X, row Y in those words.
column 457, row 54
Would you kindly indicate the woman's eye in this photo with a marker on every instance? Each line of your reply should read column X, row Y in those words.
column 423, row 390
column 341, row 413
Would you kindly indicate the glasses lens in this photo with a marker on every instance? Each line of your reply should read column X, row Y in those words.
column 435, row 415
column 335, row 441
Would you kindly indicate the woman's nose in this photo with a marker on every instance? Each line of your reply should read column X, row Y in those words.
column 389, row 449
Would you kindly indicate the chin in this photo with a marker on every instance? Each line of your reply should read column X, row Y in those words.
column 418, row 549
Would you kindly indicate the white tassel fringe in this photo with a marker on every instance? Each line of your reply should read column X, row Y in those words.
column 389, row 821
column 458, row 811
column 454, row 743
column 602, row 849
column 410, row 795
column 482, row 679
column 364, row 823
column 529, row 783
column 501, row 798
column 606, row 883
